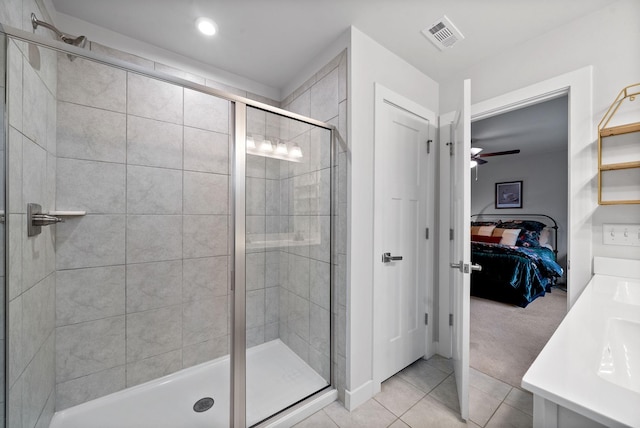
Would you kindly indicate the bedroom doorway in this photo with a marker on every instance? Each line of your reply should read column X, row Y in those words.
column 581, row 198
column 530, row 146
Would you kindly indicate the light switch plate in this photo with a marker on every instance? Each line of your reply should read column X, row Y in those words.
column 621, row 234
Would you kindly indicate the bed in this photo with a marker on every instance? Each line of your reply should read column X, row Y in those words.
column 518, row 256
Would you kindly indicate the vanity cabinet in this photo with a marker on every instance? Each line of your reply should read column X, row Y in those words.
column 619, row 152
column 587, row 375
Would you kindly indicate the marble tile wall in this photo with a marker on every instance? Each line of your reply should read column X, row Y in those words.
column 304, row 270
column 142, row 279
column 31, row 148
column 173, row 71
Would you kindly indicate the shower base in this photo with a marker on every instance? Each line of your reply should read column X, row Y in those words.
column 276, row 379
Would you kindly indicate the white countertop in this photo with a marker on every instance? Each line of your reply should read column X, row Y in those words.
column 566, row 371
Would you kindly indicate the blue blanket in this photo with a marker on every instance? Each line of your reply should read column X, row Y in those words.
column 513, row 274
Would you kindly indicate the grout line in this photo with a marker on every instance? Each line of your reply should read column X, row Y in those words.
column 499, row 405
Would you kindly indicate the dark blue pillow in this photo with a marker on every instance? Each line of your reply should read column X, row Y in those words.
column 485, row 223
column 529, row 231
column 524, row 225
column 528, row 238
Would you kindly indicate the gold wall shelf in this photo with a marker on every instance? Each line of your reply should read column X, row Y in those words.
column 625, row 96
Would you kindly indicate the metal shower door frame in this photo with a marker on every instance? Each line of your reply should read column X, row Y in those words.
column 238, row 411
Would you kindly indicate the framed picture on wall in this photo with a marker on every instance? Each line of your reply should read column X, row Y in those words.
column 509, row 194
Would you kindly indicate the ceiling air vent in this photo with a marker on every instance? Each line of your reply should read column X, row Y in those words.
column 443, row 33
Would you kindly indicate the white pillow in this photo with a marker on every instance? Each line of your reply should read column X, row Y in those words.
column 486, row 230
column 544, row 236
column 509, row 236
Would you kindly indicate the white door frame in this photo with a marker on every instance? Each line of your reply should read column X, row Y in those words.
column 382, row 95
column 582, row 167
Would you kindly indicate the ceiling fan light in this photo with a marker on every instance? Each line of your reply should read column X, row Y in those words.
column 475, row 150
column 473, row 164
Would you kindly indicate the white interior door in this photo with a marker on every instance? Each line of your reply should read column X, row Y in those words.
column 461, row 246
column 401, row 179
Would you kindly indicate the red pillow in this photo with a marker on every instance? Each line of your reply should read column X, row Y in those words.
column 487, row 239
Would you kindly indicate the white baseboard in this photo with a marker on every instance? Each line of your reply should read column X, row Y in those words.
column 307, row 409
column 353, row 399
column 444, row 350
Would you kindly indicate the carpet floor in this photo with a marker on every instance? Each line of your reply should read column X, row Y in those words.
column 506, row 339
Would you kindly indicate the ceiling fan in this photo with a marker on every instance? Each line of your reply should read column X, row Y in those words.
column 476, row 157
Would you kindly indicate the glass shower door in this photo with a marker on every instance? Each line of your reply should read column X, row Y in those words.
column 125, row 302
column 288, row 262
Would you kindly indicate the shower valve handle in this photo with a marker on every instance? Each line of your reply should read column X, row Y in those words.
column 36, row 219
column 45, row 219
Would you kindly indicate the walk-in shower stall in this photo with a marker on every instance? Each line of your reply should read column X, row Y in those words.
column 168, row 247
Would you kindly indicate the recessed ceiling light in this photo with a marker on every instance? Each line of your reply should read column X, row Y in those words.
column 206, row 26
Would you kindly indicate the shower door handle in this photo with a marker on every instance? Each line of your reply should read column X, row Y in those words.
column 387, row 257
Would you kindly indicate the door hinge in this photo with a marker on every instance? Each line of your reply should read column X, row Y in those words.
column 451, row 319
column 426, row 234
column 450, row 144
column 426, row 319
column 450, row 234
column 429, row 146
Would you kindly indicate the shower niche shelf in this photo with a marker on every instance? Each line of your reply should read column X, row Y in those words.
column 68, row 213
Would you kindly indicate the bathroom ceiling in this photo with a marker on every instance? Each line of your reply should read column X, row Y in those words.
column 271, row 41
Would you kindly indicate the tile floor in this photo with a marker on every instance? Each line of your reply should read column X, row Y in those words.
column 424, row 395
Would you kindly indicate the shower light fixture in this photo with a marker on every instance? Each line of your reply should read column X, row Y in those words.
column 206, row 26
column 273, row 148
column 295, row 151
column 266, row 146
column 251, row 143
column 281, row 148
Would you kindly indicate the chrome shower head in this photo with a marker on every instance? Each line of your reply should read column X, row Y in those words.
column 71, row 40
column 75, row 41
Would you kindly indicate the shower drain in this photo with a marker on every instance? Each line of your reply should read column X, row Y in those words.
column 203, row 404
